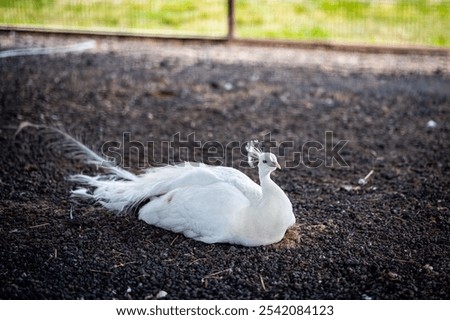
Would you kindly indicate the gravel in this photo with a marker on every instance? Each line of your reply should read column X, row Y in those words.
column 387, row 238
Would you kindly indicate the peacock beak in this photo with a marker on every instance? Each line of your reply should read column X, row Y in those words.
column 278, row 165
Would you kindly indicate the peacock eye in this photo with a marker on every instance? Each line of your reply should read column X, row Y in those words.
column 264, row 161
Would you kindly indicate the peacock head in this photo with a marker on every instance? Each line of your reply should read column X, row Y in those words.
column 266, row 161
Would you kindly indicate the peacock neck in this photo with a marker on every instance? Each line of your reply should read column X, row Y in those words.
column 269, row 188
column 272, row 214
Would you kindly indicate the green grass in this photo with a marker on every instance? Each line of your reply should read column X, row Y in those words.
column 186, row 17
column 419, row 22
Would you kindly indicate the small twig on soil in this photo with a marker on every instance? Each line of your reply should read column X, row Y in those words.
column 117, row 253
column 363, row 181
column 173, row 241
column 53, row 256
column 215, row 275
column 262, row 283
column 368, row 175
column 120, row 265
column 197, row 260
column 402, row 261
column 40, row 225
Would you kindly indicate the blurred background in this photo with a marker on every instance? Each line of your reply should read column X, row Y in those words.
column 368, row 22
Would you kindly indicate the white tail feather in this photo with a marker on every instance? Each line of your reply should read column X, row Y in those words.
column 80, row 150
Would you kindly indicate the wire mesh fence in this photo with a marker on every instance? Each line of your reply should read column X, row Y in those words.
column 386, row 22
column 358, row 21
column 158, row 17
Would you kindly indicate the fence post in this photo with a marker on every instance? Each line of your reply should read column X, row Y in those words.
column 230, row 19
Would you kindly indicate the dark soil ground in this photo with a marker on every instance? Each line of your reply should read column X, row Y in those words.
column 388, row 239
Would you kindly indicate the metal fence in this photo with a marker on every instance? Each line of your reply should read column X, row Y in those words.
column 385, row 22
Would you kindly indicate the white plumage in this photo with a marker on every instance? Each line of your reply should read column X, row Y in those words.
column 207, row 203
